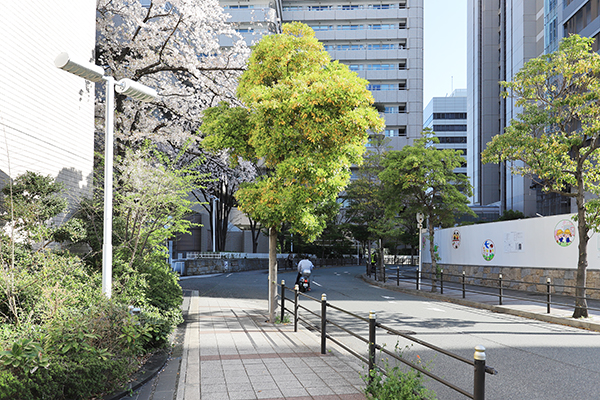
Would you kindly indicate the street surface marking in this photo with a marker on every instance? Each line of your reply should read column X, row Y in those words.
column 388, row 297
column 436, row 309
column 228, row 275
column 316, row 283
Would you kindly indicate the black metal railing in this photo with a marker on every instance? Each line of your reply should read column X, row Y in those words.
column 478, row 363
column 495, row 287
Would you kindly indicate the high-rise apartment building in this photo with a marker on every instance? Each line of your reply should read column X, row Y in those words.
column 382, row 41
column 447, row 117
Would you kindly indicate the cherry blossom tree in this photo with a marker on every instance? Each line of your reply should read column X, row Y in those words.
column 185, row 49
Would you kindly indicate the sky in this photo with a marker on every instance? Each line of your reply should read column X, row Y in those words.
column 445, row 48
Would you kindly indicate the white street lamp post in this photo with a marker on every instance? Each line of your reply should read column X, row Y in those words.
column 420, row 219
column 214, row 220
column 136, row 90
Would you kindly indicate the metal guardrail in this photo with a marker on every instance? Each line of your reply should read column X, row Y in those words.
column 498, row 290
column 478, row 363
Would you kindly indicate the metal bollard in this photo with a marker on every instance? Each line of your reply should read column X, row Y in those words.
column 372, row 322
column 418, row 278
column 441, row 281
column 500, row 289
column 397, row 276
column 479, row 379
column 296, row 289
column 463, row 285
column 375, row 271
column 282, row 300
column 548, row 295
column 323, row 323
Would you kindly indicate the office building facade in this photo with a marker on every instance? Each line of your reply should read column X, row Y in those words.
column 447, row 117
column 502, row 36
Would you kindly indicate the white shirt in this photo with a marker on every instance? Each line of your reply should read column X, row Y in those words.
column 305, row 265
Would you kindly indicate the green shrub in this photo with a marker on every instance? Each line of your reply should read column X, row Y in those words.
column 393, row 383
column 79, row 378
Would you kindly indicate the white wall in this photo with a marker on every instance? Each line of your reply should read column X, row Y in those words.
column 536, row 237
column 46, row 114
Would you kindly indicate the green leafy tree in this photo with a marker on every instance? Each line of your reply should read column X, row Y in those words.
column 366, row 201
column 422, row 177
column 555, row 139
column 307, row 123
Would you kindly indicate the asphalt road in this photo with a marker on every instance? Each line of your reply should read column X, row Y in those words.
column 534, row 360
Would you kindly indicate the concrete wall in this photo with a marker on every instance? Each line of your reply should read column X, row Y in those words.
column 46, row 115
column 214, row 266
column 531, row 250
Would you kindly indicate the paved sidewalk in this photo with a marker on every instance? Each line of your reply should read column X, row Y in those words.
column 230, row 352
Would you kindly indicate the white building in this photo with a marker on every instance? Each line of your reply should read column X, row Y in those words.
column 383, row 42
column 447, row 117
column 47, row 115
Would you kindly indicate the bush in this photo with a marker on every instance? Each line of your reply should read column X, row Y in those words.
column 392, row 383
column 66, row 378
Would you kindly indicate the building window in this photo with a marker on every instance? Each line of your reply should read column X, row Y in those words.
column 317, row 28
column 381, row 26
column 449, row 115
column 376, row 87
column 450, row 128
column 319, row 8
column 350, row 27
column 386, row 46
column 356, row 67
column 452, row 139
column 380, row 67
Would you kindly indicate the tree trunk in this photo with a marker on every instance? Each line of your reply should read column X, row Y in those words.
column 433, row 259
column 581, row 310
column 272, row 273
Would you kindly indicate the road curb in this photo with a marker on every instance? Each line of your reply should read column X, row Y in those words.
column 575, row 323
column 148, row 371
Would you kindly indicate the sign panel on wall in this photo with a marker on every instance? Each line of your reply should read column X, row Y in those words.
column 488, row 250
column 513, row 242
column 564, row 232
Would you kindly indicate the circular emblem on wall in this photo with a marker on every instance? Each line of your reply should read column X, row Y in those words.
column 564, row 232
column 488, row 250
column 456, row 239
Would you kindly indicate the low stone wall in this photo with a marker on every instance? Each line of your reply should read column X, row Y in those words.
column 204, row 266
column 532, row 279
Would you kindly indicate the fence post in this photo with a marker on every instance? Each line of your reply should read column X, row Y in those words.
column 500, row 290
column 479, row 380
column 375, row 271
column 548, row 295
column 282, row 300
column 296, row 289
column 397, row 276
column 463, row 284
column 368, row 269
column 441, row 281
column 418, row 278
column 383, row 273
column 372, row 322
column 323, row 322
